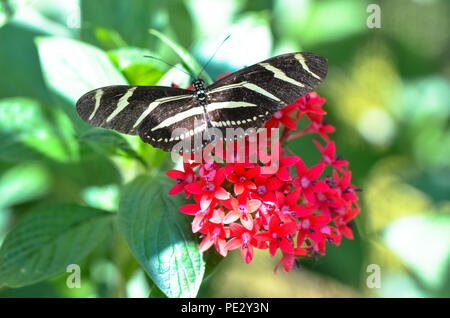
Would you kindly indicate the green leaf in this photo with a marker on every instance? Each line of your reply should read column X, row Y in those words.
column 72, row 68
column 109, row 39
column 111, row 141
column 105, row 197
column 93, row 169
column 422, row 242
column 29, row 131
column 160, row 237
column 189, row 61
column 180, row 21
column 5, row 12
column 48, row 239
column 19, row 64
column 138, row 69
column 155, row 292
column 23, row 182
column 130, row 19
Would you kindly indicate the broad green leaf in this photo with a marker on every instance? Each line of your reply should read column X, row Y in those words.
column 160, row 237
column 185, row 57
column 23, row 182
column 72, row 68
column 48, row 239
column 137, row 68
column 29, row 131
column 111, row 141
column 422, row 242
column 93, row 169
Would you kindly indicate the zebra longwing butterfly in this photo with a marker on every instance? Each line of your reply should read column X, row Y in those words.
column 246, row 99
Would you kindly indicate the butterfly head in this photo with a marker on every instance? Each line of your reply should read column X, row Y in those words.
column 198, row 84
column 199, row 87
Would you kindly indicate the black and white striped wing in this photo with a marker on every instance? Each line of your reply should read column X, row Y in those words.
column 248, row 97
column 137, row 110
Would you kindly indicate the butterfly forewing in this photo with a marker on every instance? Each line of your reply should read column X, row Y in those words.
column 124, row 108
column 249, row 97
column 288, row 76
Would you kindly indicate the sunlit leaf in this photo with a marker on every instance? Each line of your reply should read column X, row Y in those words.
column 29, row 133
column 5, row 12
column 23, row 182
column 48, row 239
column 137, row 285
column 313, row 22
column 184, row 55
column 422, row 242
column 105, row 198
column 160, row 237
column 137, row 68
column 72, row 68
column 400, row 285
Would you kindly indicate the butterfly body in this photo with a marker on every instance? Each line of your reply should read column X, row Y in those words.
column 244, row 99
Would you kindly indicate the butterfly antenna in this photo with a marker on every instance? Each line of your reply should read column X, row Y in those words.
column 215, row 52
column 178, row 68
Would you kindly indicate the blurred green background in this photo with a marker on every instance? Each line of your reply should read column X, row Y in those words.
column 387, row 91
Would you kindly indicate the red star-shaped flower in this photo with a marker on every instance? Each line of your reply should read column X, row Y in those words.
column 242, row 178
column 210, row 189
column 278, row 235
column 244, row 239
column 242, row 209
column 307, row 180
column 215, row 233
column 183, row 178
column 328, row 156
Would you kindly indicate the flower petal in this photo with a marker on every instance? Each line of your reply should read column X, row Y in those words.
column 175, row 174
column 194, row 188
column 315, row 171
column 221, row 194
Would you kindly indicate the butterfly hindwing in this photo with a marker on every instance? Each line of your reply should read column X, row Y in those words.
column 186, row 125
column 240, row 107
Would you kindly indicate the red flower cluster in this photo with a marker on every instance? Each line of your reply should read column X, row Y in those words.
column 294, row 209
